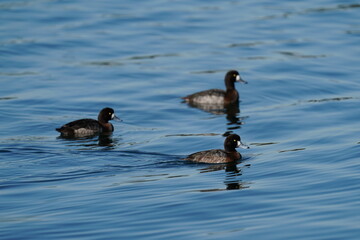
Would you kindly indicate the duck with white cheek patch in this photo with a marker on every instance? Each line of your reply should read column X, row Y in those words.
column 217, row 97
column 88, row 127
column 228, row 155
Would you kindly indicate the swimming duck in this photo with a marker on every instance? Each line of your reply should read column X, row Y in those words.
column 87, row 127
column 229, row 154
column 218, row 96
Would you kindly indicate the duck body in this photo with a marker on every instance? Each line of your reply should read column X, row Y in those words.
column 214, row 156
column 83, row 127
column 213, row 96
column 228, row 155
column 88, row 127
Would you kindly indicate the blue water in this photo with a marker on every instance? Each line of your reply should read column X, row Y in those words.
column 66, row 60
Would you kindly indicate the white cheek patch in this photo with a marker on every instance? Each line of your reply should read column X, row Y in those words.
column 238, row 78
column 238, row 144
column 112, row 116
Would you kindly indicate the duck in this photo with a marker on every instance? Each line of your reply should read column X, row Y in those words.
column 218, row 96
column 88, row 127
column 228, row 155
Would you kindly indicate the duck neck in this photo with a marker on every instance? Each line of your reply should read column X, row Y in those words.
column 229, row 149
column 102, row 120
column 230, row 85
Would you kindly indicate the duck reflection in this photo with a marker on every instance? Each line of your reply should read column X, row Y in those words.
column 106, row 140
column 102, row 140
column 233, row 117
column 232, row 174
column 231, row 111
column 217, row 108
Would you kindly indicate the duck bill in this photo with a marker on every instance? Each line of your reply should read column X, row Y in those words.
column 239, row 79
column 114, row 117
column 242, row 145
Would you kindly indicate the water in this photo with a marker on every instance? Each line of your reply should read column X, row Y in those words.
column 65, row 60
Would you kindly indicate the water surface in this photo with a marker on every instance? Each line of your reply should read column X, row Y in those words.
column 65, row 60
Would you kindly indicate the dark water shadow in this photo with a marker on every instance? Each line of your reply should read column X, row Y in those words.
column 7, row 98
column 287, row 14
